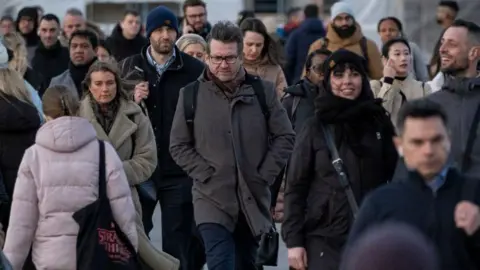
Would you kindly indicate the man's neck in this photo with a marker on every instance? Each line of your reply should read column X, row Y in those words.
column 468, row 73
column 126, row 36
column 160, row 58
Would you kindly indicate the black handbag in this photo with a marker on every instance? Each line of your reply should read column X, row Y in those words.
column 267, row 254
column 101, row 244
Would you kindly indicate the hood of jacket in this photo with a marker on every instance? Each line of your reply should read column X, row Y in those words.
column 461, row 85
column 118, row 36
column 313, row 26
column 302, row 86
column 17, row 116
column 66, row 134
column 333, row 37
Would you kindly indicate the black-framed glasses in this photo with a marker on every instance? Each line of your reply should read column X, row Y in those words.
column 230, row 59
column 317, row 69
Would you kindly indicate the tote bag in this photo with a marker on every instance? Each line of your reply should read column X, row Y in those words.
column 100, row 243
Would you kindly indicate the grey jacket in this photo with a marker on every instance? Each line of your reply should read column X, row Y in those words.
column 461, row 104
column 66, row 80
column 232, row 158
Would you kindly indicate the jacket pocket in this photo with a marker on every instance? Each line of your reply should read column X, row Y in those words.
column 318, row 210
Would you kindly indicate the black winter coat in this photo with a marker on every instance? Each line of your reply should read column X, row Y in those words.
column 299, row 102
column 19, row 123
column 162, row 101
column 408, row 199
column 316, row 206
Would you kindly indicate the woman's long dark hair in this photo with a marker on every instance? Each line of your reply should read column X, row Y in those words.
column 270, row 48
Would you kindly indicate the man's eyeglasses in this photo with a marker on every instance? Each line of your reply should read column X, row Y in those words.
column 195, row 16
column 317, row 69
column 231, row 59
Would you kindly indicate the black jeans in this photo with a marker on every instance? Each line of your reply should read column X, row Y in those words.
column 180, row 237
column 229, row 251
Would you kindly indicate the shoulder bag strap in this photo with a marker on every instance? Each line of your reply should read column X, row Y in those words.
column 190, row 93
column 102, row 181
column 337, row 163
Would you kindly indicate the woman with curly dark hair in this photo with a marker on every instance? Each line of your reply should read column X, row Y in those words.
column 262, row 56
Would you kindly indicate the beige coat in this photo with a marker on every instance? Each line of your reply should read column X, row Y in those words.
column 270, row 73
column 137, row 168
column 392, row 93
column 141, row 165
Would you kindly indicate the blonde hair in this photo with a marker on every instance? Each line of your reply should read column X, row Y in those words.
column 188, row 39
column 15, row 42
column 58, row 101
column 12, row 84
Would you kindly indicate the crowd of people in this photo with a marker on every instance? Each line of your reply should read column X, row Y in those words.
column 367, row 156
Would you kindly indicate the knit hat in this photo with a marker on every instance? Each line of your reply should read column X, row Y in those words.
column 339, row 8
column 343, row 56
column 159, row 17
column 391, row 246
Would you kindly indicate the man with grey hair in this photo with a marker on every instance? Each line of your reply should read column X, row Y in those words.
column 72, row 21
column 232, row 136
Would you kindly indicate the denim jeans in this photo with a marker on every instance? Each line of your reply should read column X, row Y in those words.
column 229, row 251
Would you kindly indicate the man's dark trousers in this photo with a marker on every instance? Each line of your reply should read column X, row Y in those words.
column 229, row 251
column 180, row 237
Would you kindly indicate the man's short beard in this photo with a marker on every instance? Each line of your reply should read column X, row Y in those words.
column 345, row 32
column 456, row 70
column 161, row 50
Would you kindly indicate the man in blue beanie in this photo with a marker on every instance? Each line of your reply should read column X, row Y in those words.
column 162, row 70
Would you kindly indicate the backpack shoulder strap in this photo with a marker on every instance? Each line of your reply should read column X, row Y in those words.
column 260, row 93
column 296, row 101
column 324, row 43
column 190, row 103
column 364, row 48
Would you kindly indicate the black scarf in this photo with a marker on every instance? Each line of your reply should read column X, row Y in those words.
column 31, row 39
column 351, row 119
column 78, row 73
column 105, row 115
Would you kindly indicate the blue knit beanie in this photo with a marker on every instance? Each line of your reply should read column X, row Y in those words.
column 161, row 16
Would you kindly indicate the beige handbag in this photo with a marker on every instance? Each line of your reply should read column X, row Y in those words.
column 152, row 257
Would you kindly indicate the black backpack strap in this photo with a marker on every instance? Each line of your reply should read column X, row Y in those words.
column 364, row 48
column 190, row 103
column 257, row 86
column 325, row 44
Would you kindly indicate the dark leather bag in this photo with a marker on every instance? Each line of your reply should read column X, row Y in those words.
column 267, row 254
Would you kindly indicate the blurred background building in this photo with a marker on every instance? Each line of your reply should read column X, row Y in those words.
column 417, row 16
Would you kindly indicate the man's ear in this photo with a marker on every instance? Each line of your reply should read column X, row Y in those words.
column 474, row 53
column 398, row 144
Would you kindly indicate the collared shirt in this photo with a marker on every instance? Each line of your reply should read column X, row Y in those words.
column 439, row 180
column 160, row 67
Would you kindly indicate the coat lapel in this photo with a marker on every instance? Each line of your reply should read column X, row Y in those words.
column 122, row 127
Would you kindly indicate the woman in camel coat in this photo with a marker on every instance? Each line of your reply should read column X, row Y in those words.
column 121, row 122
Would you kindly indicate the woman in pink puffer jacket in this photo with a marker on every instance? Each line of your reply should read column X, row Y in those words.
column 57, row 177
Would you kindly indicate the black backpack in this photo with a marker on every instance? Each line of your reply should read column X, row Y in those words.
column 190, row 93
